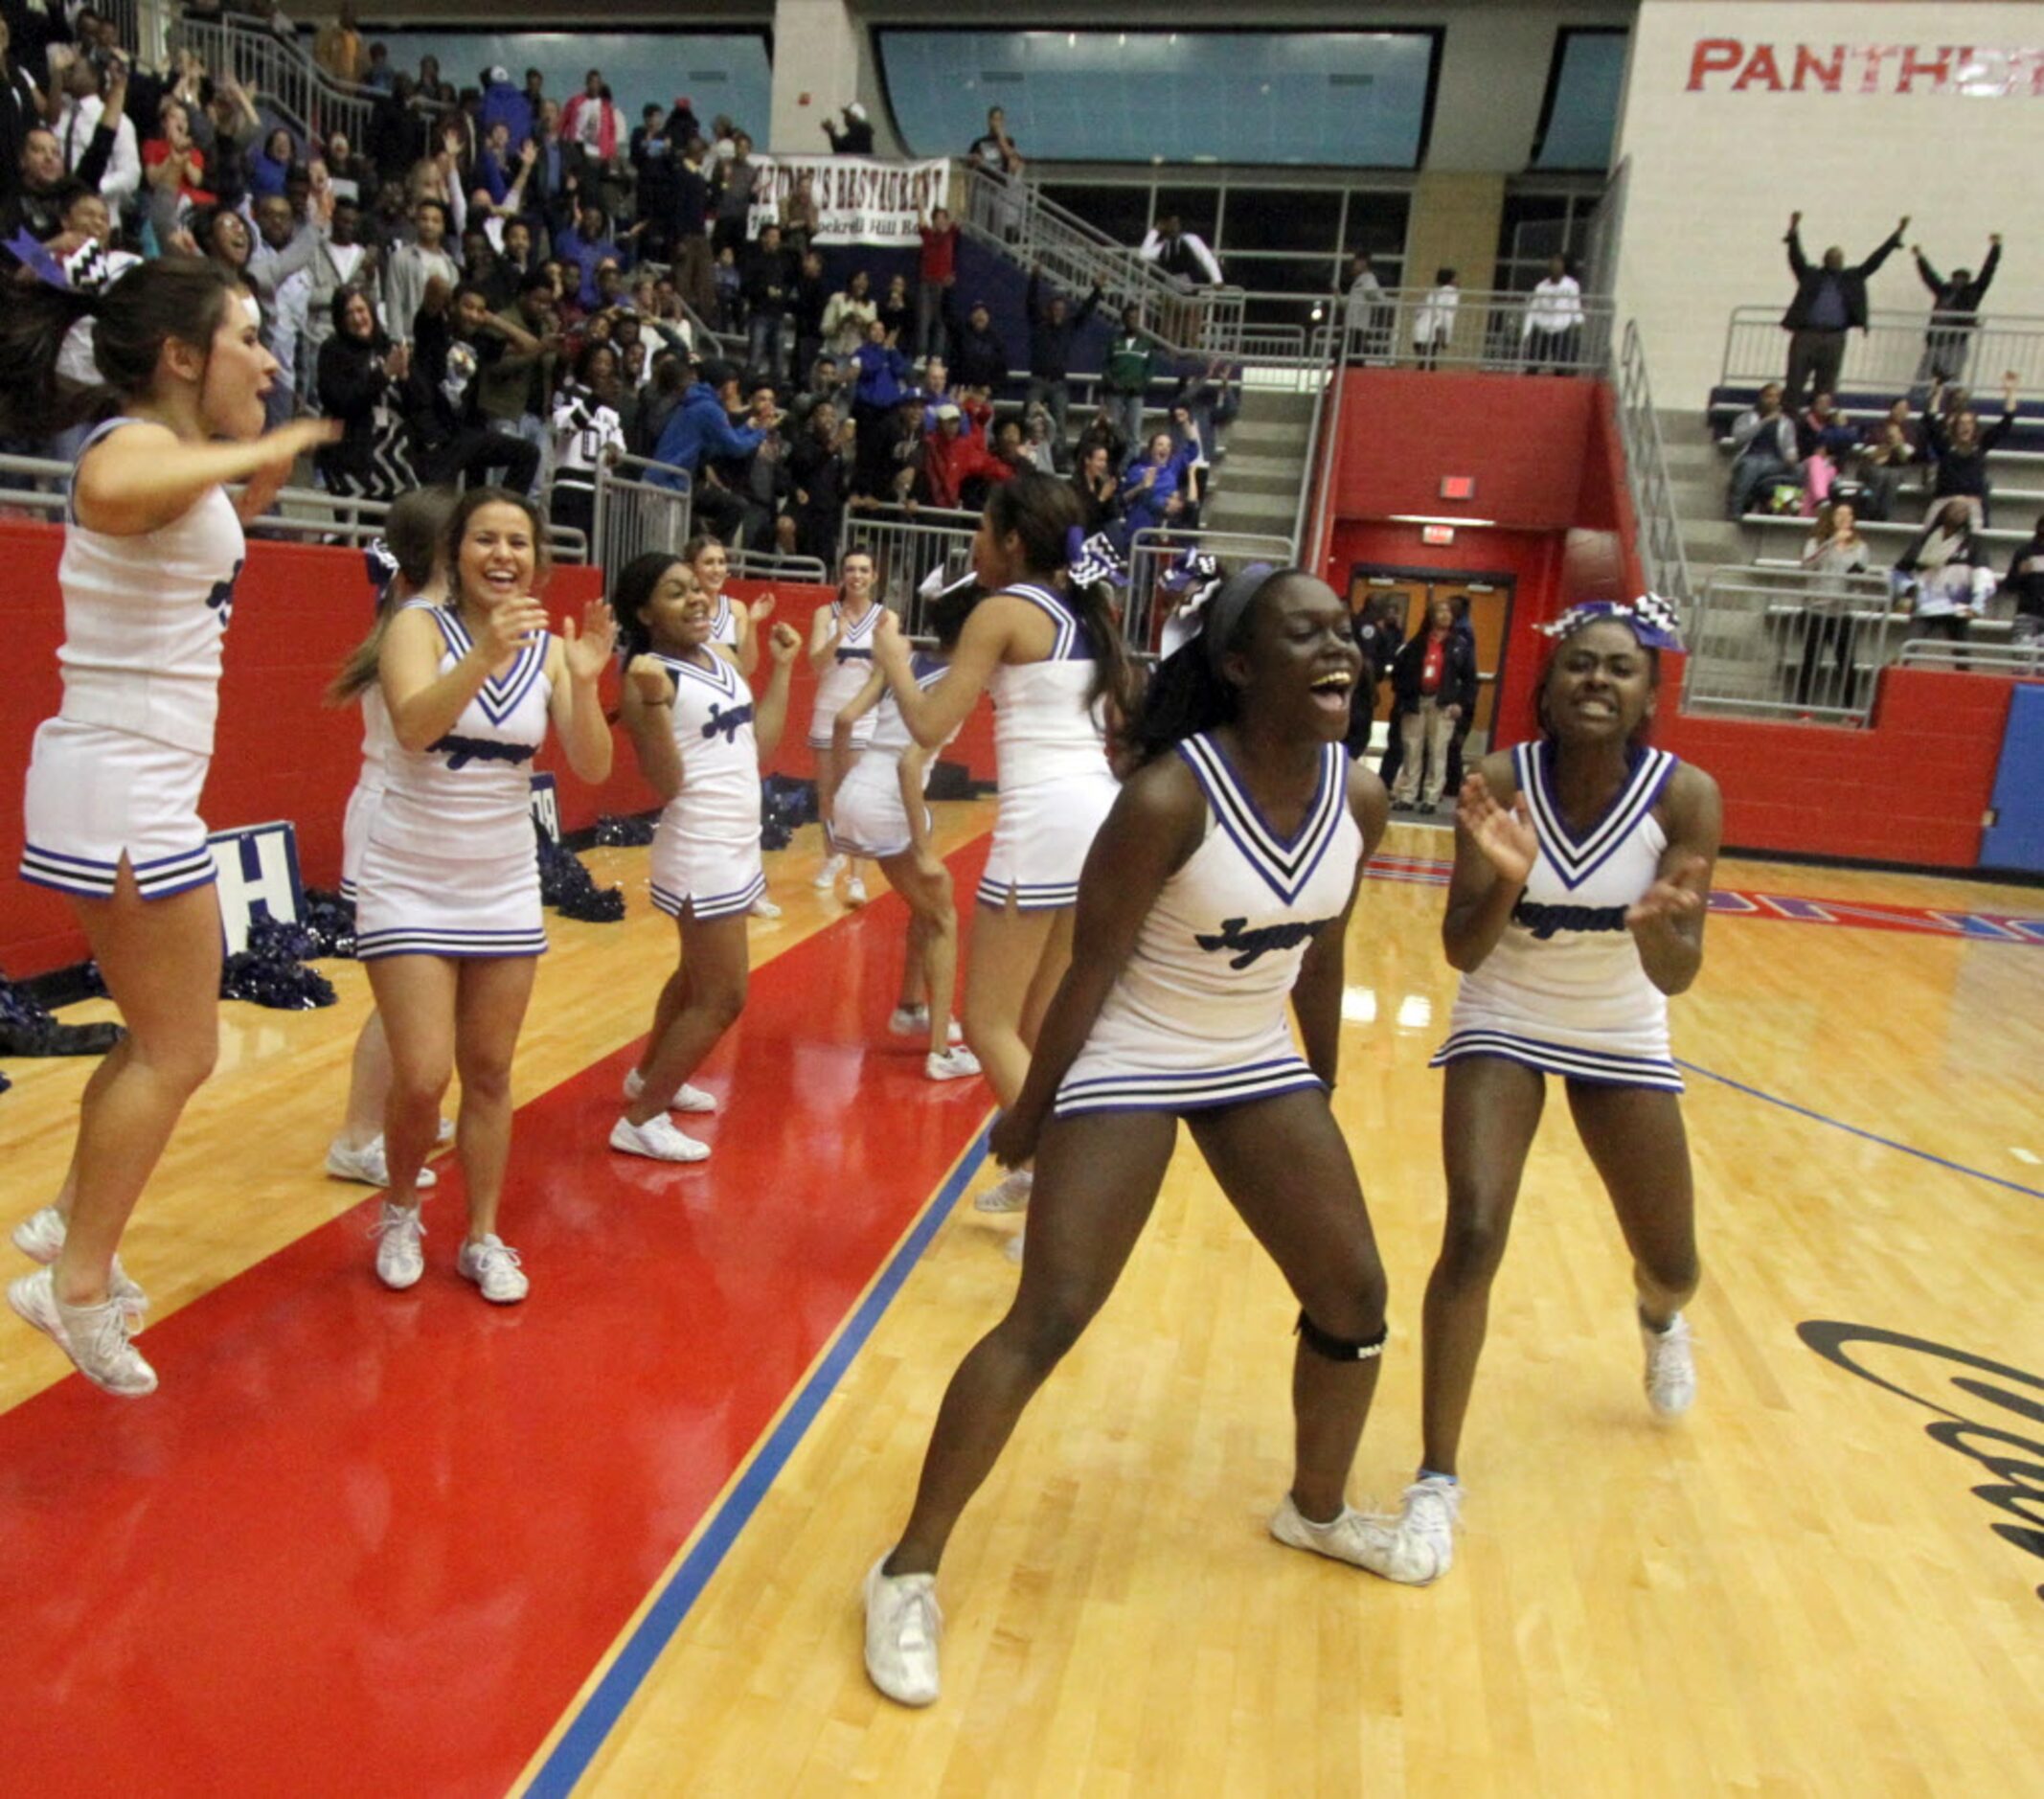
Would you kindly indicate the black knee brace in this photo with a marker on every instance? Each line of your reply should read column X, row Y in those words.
column 1339, row 1348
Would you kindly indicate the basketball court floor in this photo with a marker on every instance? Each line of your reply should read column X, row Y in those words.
column 609, row 1541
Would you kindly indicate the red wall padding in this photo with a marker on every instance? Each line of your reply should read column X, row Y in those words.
column 281, row 752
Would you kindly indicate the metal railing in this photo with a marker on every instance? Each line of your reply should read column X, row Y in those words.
column 1789, row 642
column 909, row 545
column 1896, row 353
column 278, row 74
column 770, row 565
column 1483, row 329
column 2023, row 657
column 641, row 504
column 1146, row 603
column 1663, row 559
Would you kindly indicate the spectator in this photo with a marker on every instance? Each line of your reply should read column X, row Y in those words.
column 699, row 429
column 1161, row 487
column 1434, row 323
column 1203, row 391
column 450, row 436
column 346, row 171
column 811, row 301
column 1463, row 626
column 694, row 275
column 1946, row 565
column 978, row 357
column 359, row 368
column 955, row 465
column 1763, row 449
column 996, row 152
column 1368, row 316
column 830, row 382
column 171, row 164
column 1954, row 313
column 412, row 266
column 493, row 167
column 1375, row 630
column 820, row 466
column 1053, row 326
column 730, row 314
column 1181, row 255
column 584, row 247
column 508, row 106
column 587, row 431
column 337, row 47
column 508, row 267
column 394, row 138
column 339, row 260
column 881, row 373
column 1884, row 464
column 801, row 217
column 517, row 363
column 94, row 133
column 769, row 299
column 655, row 166
column 379, row 75
column 1834, row 549
column 38, row 202
column 849, row 314
column 1099, row 489
column 854, row 138
column 1104, row 431
column 432, row 90
column 1124, row 380
column 1042, row 443
column 1830, row 301
column 21, row 107
column 936, row 273
column 1960, row 449
column 1821, row 427
column 2025, row 581
column 1434, row 679
column 591, row 121
column 897, row 316
column 1552, row 333
column 736, row 178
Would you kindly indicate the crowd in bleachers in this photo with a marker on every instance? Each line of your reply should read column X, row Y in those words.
column 500, row 281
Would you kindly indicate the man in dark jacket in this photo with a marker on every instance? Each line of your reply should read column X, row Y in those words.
column 1831, row 300
column 770, row 275
column 854, row 138
column 1954, row 312
column 1053, row 324
column 979, row 359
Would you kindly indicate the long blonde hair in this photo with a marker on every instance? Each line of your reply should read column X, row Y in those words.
column 413, row 532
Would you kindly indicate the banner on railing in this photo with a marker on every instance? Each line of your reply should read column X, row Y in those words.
column 860, row 199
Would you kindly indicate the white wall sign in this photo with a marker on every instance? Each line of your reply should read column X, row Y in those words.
column 258, row 868
column 858, row 200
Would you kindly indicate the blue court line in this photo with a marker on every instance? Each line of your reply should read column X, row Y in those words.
column 577, row 1749
column 1871, row 1136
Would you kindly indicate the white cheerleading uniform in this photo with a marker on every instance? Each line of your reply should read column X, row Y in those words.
column 378, row 742
column 1050, row 752
column 705, row 848
column 724, row 626
column 450, row 868
column 871, row 817
column 838, row 686
column 119, row 771
column 1196, row 1016
column 1563, row 990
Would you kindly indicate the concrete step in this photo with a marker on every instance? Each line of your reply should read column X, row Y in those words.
column 1267, row 434
column 1258, row 462
column 1233, row 481
column 1262, row 403
column 1251, row 512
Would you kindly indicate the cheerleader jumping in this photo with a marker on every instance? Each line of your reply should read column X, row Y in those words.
column 1217, row 891
column 153, row 548
column 699, row 742
column 1582, row 869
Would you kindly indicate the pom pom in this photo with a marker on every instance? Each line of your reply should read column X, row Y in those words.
column 623, row 833
column 27, row 1028
column 268, row 972
column 565, row 884
column 329, row 921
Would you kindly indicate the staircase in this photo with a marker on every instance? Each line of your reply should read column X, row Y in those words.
column 1270, row 444
column 1696, row 477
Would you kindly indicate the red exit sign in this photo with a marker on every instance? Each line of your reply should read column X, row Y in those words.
column 1437, row 534
column 1457, row 487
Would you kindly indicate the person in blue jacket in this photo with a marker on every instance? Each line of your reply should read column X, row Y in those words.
column 700, row 429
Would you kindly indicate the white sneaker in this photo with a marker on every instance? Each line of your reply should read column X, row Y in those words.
column 660, row 1139
column 444, row 1135
column 1010, row 1194
column 94, row 1337
column 687, row 1099
column 1012, row 1248
column 369, row 1166
column 1670, row 1368
column 40, row 1237
column 954, row 1034
column 492, row 1264
column 952, row 1065
column 904, row 1625
column 401, row 1260
column 764, row 908
column 827, row 875
column 909, row 1021
column 856, row 892
column 1382, row 1546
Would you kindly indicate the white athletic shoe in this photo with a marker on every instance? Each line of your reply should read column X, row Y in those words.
column 764, row 908
column 952, row 1065
column 94, row 1337
column 687, row 1099
column 856, row 892
column 40, row 1237
column 904, row 1625
column 827, row 875
column 661, row 1139
column 1383, row 1545
column 492, row 1264
column 1670, row 1368
column 444, row 1135
column 1013, row 1249
column 909, row 1021
column 1010, row 1194
column 400, row 1257
column 368, row 1165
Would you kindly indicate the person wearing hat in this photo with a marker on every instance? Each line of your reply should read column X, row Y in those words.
column 954, row 462
column 507, row 106
column 854, row 137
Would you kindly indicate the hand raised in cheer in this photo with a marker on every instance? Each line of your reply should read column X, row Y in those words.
column 1671, row 900
column 587, row 648
column 1506, row 837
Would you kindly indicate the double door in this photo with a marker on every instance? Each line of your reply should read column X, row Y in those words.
column 1405, row 595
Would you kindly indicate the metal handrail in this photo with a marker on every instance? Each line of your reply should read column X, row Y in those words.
column 1150, row 553
column 1662, row 551
column 641, row 504
column 279, row 73
column 771, row 565
column 1794, row 642
column 1485, row 329
column 1895, row 353
column 1973, row 657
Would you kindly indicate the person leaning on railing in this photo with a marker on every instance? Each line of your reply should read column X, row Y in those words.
column 1946, row 568
column 1552, row 336
column 1834, row 549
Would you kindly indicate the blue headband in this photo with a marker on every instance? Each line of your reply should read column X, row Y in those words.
column 1649, row 618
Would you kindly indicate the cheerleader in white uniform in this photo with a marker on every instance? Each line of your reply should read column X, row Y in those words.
column 881, row 813
column 447, row 916
column 699, row 742
column 1218, row 889
column 153, row 547
column 1050, row 654
column 406, row 564
column 841, row 638
column 736, row 626
column 1582, row 868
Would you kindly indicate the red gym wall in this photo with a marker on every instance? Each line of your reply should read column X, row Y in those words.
column 281, row 752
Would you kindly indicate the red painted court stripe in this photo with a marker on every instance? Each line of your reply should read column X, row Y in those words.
column 365, row 1541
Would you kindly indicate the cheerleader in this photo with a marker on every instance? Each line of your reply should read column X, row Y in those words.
column 881, row 813
column 1582, row 868
column 841, row 638
column 153, row 548
column 699, row 742
column 447, row 918
column 737, row 627
column 1218, row 889
column 407, row 562
column 1050, row 653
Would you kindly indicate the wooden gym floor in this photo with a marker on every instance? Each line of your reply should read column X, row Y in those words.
column 609, row 1541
